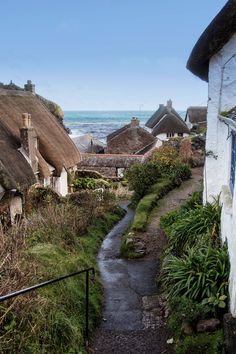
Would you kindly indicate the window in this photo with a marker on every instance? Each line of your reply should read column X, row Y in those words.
column 233, row 162
column 180, row 134
column 170, row 135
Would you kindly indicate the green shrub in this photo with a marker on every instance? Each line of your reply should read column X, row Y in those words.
column 148, row 202
column 185, row 309
column 202, row 344
column 200, row 274
column 141, row 177
column 90, row 183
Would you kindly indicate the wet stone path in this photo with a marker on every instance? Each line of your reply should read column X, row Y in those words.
column 134, row 313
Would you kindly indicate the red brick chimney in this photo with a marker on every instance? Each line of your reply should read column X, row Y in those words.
column 29, row 140
column 134, row 122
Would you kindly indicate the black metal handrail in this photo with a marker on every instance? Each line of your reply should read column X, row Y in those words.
column 55, row 280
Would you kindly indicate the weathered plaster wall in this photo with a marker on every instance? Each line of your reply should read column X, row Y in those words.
column 222, row 97
column 15, row 208
column 61, row 184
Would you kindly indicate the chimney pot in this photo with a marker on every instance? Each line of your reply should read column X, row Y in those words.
column 30, row 87
column 134, row 122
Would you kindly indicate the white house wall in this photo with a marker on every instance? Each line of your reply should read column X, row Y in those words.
column 163, row 136
column 61, row 184
column 222, row 97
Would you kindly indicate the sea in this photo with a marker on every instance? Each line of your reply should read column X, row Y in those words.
column 101, row 123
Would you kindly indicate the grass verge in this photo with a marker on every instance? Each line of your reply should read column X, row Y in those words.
column 147, row 203
column 51, row 320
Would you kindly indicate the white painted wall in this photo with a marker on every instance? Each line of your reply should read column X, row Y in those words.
column 189, row 124
column 222, row 97
column 61, row 184
column 163, row 136
column 15, row 208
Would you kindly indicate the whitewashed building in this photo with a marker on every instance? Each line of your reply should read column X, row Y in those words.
column 213, row 59
column 166, row 123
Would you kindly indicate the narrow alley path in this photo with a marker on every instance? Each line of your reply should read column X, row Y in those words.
column 133, row 316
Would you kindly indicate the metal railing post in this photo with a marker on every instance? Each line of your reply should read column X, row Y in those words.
column 87, row 310
column 56, row 280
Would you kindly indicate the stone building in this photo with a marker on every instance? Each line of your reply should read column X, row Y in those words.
column 213, row 59
column 129, row 139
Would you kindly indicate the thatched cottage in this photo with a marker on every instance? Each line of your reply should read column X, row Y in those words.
column 166, row 123
column 195, row 117
column 34, row 147
column 213, row 59
column 129, row 139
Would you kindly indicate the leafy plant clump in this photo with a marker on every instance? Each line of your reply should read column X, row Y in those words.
column 185, row 310
column 90, row 183
column 199, row 275
column 202, row 343
column 187, row 227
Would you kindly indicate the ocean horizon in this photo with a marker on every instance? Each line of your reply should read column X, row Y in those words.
column 102, row 123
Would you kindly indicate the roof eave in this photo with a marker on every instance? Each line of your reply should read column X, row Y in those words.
column 216, row 35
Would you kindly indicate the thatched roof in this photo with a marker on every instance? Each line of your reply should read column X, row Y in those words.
column 196, row 114
column 216, row 35
column 170, row 124
column 159, row 114
column 109, row 160
column 14, row 168
column 55, row 146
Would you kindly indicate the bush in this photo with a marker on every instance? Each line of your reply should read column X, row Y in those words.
column 166, row 157
column 90, row 183
column 141, row 177
column 200, row 274
column 148, row 202
column 202, row 344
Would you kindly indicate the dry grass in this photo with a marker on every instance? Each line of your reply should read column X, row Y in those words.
column 48, row 243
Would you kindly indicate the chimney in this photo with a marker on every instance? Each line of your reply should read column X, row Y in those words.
column 134, row 122
column 29, row 140
column 169, row 105
column 30, row 87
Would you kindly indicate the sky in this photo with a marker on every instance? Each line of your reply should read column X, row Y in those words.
column 105, row 54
